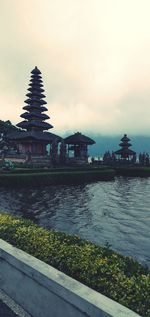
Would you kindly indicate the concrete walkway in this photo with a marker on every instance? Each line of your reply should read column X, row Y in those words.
column 5, row 311
column 9, row 308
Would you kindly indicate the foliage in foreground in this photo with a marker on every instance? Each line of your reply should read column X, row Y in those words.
column 120, row 278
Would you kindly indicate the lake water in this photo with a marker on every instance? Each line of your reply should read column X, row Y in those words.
column 115, row 212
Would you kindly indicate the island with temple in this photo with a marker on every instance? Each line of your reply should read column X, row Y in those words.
column 37, row 152
column 30, row 145
column 33, row 140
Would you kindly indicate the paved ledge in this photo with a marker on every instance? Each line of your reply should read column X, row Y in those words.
column 44, row 291
column 8, row 307
column 5, row 311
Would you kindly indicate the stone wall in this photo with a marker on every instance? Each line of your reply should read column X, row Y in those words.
column 46, row 292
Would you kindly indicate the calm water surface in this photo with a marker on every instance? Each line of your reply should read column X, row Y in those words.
column 117, row 212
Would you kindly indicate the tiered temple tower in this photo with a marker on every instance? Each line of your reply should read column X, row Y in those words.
column 34, row 138
column 34, row 116
column 125, row 152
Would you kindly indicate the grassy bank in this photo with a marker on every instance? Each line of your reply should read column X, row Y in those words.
column 133, row 171
column 118, row 277
column 53, row 177
column 22, row 170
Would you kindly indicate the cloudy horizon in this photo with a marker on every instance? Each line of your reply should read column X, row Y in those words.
column 94, row 56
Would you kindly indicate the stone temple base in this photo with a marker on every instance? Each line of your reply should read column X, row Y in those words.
column 42, row 161
column 77, row 161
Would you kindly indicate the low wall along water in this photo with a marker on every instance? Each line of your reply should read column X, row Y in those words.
column 44, row 291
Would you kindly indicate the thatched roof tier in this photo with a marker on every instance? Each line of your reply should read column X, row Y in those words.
column 38, row 90
column 125, row 144
column 78, row 138
column 34, row 124
column 35, row 71
column 125, row 151
column 36, row 76
column 34, row 135
column 35, row 84
column 32, row 115
column 125, row 138
column 36, row 79
column 32, row 100
column 37, row 107
column 33, row 94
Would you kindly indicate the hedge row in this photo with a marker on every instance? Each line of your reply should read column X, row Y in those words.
column 118, row 277
column 56, row 177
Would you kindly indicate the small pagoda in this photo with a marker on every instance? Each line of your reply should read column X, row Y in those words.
column 34, row 138
column 125, row 153
column 77, row 147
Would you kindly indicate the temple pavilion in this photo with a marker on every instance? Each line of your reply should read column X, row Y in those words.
column 125, row 153
column 33, row 136
column 77, row 147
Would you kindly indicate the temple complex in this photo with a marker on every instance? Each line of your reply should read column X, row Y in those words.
column 77, row 147
column 125, row 153
column 33, row 138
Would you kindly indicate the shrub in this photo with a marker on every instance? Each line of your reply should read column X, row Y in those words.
column 118, row 277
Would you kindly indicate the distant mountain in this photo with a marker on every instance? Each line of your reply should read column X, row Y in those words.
column 103, row 142
column 111, row 143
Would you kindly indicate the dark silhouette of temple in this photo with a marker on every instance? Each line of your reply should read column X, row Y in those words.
column 34, row 115
column 125, row 153
column 32, row 137
column 77, row 145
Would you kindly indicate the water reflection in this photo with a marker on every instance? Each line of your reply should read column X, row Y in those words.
column 115, row 212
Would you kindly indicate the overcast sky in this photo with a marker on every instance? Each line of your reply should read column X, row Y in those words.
column 94, row 56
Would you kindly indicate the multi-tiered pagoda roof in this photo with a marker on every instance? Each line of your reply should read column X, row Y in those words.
column 34, row 116
column 125, row 151
column 34, row 125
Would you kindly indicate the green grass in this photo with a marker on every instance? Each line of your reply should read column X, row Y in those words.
column 58, row 169
column 135, row 171
column 46, row 177
column 118, row 277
